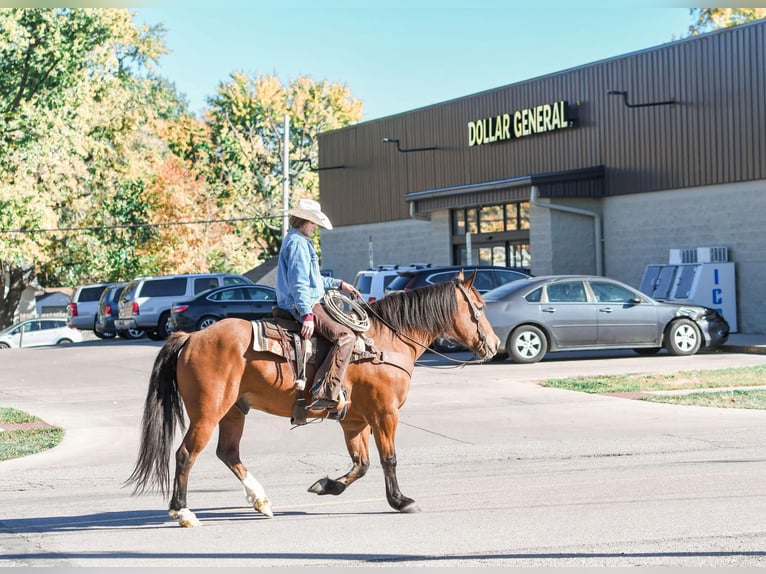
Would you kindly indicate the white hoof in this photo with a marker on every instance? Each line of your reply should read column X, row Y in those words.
column 263, row 505
column 185, row 517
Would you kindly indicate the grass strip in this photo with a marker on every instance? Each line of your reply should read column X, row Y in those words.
column 23, row 442
column 739, row 379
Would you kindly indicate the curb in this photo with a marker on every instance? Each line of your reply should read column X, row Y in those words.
column 751, row 349
column 25, row 426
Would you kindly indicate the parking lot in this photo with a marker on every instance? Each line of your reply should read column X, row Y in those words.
column 507, row 473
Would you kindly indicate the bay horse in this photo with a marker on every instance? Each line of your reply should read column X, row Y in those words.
column 211, row 372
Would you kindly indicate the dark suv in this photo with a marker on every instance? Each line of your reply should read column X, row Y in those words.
column 487, row 276
column 107, row 313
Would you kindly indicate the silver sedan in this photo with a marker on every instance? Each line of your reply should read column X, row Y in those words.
column 586, row 312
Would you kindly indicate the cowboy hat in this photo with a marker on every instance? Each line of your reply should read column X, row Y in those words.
column 310, row 210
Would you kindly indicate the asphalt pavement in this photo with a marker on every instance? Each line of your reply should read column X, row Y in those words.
column 507, row 473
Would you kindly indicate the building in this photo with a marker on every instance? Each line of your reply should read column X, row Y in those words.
column 606, row 168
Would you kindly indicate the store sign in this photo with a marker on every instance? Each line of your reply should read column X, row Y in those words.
column 521, row 123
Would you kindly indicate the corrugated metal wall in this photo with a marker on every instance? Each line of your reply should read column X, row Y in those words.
column 715, row 132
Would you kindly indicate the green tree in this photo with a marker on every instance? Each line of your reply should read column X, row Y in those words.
column 246, row 119
column 78, row 102
column 708, row 19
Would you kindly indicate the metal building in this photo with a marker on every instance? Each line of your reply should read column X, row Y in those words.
column 604, row 168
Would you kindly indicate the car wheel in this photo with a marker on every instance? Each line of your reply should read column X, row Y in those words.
column 4, row 346
column 527, row 344
column 131, row 334
column 206, row 321
column 63, row 341
column 101, row 335
column 164, row 327
column 647, row 350
column 682, row 337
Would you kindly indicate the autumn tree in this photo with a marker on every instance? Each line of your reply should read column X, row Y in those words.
column 246, row 119
column 708, row 19
column 77, row 102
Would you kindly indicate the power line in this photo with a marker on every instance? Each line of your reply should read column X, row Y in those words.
column 137, row 225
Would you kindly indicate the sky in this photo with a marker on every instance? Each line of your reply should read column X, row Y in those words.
column 400, row 55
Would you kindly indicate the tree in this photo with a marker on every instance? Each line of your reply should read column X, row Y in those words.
column 78, row 101
column 708, row 19
column 246, row 120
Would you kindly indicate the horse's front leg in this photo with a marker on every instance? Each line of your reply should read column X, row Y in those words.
column 384, row 432
column 357, row 442
column 230, row 431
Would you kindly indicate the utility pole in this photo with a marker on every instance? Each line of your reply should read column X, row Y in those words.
column 285, row 176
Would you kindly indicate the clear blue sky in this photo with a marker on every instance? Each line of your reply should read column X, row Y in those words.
column 399, row 55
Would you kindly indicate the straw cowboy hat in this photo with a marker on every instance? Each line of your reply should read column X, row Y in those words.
column 310, row 210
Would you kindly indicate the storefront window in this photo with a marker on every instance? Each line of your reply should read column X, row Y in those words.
column 499, row 235
column 512, row 217
column 471, row 220
column 491, row 219
column 524, row 215
column 519, row 255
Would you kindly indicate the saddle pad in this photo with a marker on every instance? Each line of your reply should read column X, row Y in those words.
column 267, row 338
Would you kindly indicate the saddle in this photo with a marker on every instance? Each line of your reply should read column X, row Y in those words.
column 280, row 335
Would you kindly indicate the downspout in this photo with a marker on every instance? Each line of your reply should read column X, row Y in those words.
column 533, row 198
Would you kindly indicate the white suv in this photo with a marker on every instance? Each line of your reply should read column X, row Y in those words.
column 372, row 283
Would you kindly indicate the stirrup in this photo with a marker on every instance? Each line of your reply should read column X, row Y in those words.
column 323, row 405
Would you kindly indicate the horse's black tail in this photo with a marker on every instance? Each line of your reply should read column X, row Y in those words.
column 163, row 411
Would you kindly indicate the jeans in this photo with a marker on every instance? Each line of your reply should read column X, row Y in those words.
column 329, row 377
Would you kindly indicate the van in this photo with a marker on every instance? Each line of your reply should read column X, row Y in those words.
column 145, row 302
column 83, row 305
column 372, row 283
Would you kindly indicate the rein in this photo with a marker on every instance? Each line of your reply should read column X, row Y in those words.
column 476, row 314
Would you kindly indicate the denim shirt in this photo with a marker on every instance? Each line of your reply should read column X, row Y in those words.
column 300, row 285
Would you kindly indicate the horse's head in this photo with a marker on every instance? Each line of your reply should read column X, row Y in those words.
column 471, row 327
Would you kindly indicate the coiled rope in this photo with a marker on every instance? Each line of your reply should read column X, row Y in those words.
column 346, row 311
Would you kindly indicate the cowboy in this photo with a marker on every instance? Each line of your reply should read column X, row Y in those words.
column 300, row 288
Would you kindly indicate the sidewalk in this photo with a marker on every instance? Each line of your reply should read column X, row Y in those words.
column 744, row 343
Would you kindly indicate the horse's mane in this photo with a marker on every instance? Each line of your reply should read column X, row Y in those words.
column 428, row 309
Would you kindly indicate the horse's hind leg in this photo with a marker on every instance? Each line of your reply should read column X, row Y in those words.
column 229, row 436
column 357, row 443
column 195, row 440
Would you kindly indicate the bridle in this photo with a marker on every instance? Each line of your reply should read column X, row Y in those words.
column 476, row 311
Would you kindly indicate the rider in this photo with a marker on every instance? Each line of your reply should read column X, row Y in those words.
column 300, row 288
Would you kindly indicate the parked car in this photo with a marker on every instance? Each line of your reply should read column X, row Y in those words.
column 107, row 313
column 487, row 276
column 38, row 333
column 566, row 312
column 372, row 283
column 145, row 302
column 242, row 301
column 82, row 306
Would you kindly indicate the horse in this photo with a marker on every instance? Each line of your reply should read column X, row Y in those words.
column 209, row 373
